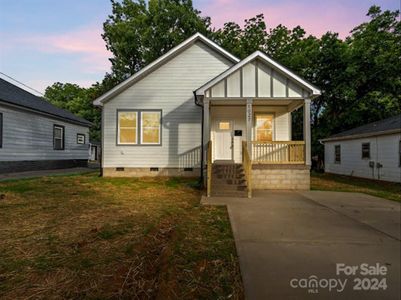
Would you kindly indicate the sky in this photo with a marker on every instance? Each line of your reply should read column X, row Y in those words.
column 47, row 41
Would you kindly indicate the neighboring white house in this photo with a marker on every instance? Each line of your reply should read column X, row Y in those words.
column 199, row 103
column 35, row 134
column 370, row 151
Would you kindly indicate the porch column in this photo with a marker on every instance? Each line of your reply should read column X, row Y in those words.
column 206, row 122
column 307, row 132
column 249, row 124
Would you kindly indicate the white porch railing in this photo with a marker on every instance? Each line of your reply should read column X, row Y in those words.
column 278, row 152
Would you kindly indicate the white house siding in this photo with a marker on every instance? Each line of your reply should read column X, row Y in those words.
column 169, row 88
column 383, row 149
column 237, row 114
column 28, row 136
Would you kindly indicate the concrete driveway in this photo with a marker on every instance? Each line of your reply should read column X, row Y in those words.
column 291, row 243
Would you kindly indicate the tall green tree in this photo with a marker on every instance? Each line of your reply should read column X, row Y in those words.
column 138, row 32
column 77, row 100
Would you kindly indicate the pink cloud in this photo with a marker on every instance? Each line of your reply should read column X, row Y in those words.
column 86, row 44
column 317, row 19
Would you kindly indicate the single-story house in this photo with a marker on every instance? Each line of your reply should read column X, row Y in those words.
column 199, row 106
column 35, row 134
column 370, row 151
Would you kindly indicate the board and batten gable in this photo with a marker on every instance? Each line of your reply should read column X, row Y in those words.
column 168, row 88
column 256, row 79
column 28, row 136
column 384, row 149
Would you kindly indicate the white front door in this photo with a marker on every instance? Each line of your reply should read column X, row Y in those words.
column 223, row 140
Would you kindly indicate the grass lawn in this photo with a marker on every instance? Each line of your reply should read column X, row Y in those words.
column 340, row 183
column 82, row 236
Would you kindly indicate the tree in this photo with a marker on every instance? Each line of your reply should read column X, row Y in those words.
column 77, row 100
column 137, row 33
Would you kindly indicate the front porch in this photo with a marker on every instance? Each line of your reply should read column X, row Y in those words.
column 247, row 122
column 250, row 145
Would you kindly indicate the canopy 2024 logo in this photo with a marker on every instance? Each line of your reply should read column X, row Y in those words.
column 312, row 284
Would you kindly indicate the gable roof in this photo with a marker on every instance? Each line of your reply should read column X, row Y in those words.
column 263, row 57
column 12, row 94
column 386, row 126
column 162, row 59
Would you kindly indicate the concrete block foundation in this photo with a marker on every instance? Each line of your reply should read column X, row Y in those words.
column 280, row 177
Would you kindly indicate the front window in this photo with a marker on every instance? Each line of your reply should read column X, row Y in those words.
column 337, row 154
column 58, row 137
column 263, row 127
column 127, row 127
column 366, row 150
column 150, row 127
column 1, row 130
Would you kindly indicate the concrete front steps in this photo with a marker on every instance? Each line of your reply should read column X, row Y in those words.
column 228, row 180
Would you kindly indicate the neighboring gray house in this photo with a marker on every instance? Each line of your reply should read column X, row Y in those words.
column 35, row 134
column 198, row 105
column 370, row 151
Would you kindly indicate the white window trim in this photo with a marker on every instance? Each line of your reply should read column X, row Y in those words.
column 118, row 127
column 61, row 138
column 141, row 129
column 254, row 133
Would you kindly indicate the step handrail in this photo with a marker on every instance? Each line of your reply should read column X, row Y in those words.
column 209, row 169
column 247, row 164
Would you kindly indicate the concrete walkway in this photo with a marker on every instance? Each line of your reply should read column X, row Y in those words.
column 284, row 237
column 41, row 173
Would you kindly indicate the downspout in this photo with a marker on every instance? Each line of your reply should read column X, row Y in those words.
column 202, row 129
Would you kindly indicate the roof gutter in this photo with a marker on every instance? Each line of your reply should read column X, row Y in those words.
column 202, row 141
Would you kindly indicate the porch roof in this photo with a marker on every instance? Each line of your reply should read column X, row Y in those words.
column 258, row 76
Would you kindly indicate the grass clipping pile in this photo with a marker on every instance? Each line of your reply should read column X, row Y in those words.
column 90, row 237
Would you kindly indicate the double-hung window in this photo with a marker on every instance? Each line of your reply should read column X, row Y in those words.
column 58, row 137
column 337, row 154
column 399, row 153
column 127, row 127
column 139, row 127
column 150, row 127
column 365, row 150
column 263, row 127
column 1, row 130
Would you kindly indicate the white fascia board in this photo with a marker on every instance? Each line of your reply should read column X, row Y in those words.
column 149, row 68
column 258, row 54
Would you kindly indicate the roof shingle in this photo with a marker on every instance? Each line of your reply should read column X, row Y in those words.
column 389, row 124
column 12, row 94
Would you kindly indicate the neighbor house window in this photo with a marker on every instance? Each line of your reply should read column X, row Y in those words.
column 399, row 153
column 263, row 127
column 80, row 138
column 58, row 137
column 150, row 127
column 1, row 130
column 337, row 154
column 366, row 150
column 127, row 127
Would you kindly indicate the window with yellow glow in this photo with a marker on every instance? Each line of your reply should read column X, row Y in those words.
column 150, row 129
column 263, row 127
column 127, row 127
column 224, row 125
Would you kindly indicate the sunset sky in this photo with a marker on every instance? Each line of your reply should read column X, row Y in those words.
column 44, row 41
